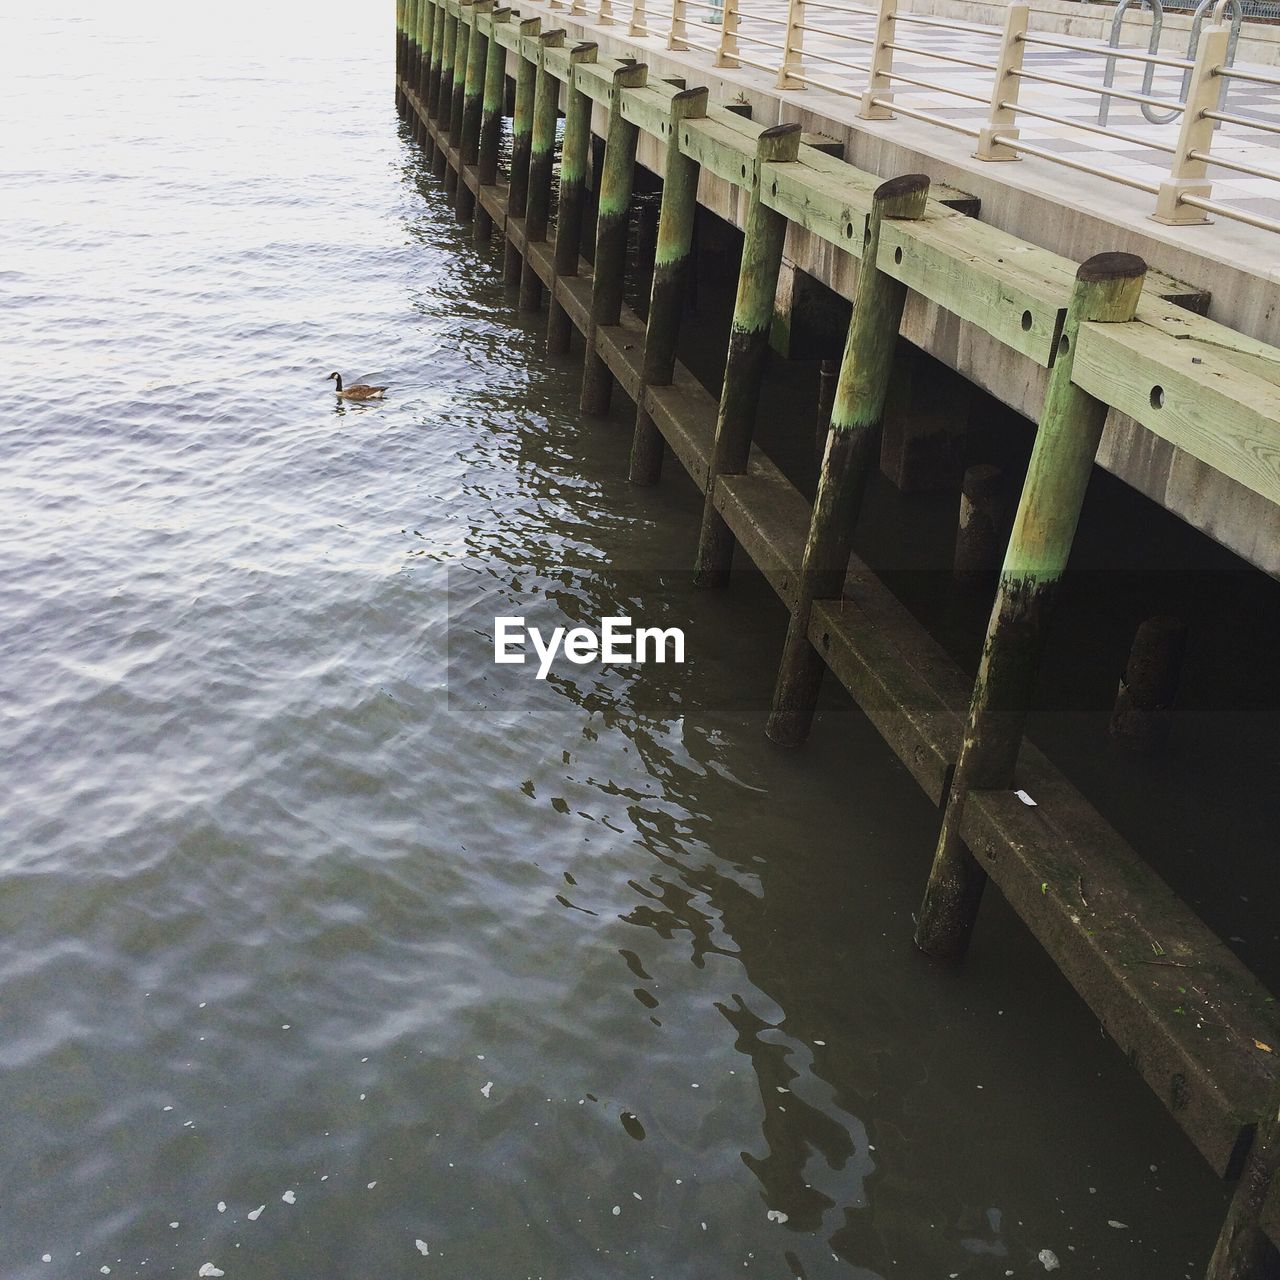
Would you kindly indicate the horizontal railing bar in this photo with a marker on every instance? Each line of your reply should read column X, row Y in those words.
column 1133, row 55
column 760, row 17
column 1226, row 211
column 936, row 88
column 839, row 35
column 1250, row 122
column 921, row 20
column 1238, row 165
column 890, row 104
column 839, row 62
column 941, row 57
column 1089, row 128
column 856, row 10
column 765, row 44
column 1057, row 158
column 1256, row 77
column 1065, row 83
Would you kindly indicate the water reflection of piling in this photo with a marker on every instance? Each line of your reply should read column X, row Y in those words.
column 1193, row 1021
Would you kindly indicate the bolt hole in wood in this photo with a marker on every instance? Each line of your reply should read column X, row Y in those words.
column 1026, row 321
column 897, row 254
column 1064, row 345
column 1157, row 397
column 848, row 230
column 744, row 170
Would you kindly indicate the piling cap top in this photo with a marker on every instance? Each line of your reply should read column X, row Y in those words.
column 780, row 130
column 907, row 184
column 1111, row 266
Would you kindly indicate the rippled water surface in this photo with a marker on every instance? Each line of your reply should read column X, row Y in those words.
column 330, row 949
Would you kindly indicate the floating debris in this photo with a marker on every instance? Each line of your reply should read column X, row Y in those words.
column 1048, row 1259
column 421, row 1246
column 210, row 1270
column 222, row 1206
column 776, row 1215
column 289, row 1198
column 255, row 1214
column 487, row 1088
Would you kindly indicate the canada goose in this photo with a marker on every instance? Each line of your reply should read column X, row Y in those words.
column 357, row 390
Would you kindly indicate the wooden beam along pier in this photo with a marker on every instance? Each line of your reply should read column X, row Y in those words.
column 1191, row 1023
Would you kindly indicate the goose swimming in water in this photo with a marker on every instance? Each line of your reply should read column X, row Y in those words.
column 357, row 390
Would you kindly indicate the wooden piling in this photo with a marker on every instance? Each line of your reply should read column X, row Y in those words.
column 612, row 218
column 434, row 68
column 670, row 282
column 444, row 93
column 452, row 175
column 1242, row 1248
column 1149, row 685
column 981, row 525
column 490, row 135
column 521, row 144
column 402, row 103
column 413, row 68
column 464, row 201
column 542, row 153
column 763, row 235
column 1107, row 289
column 426, row 26
column 574, row 149
column 856, row 414
column 828, row 376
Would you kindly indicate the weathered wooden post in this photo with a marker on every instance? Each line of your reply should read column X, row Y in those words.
column 452, row 175
column 490, row 136
column 611, row 236
column 670, row 283
column 433, row 77
column 444, row 93
column 763, row 235
column 828, row 375
column 1242, row 1247
column 542, row 154
column 405, row 71
column 1107, row 289
column 574, row 148
column 521, row 143
column 1144, row 701
column 980, row 529
column 851, row 442
column 427, row 18
column 472, row 87
column 401, row 57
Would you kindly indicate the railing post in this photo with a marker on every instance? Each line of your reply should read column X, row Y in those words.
column 667, row 293
column 851, row 440
column 792, row 47
column 604, row 12
column 1002, row 119
column 1187, row 173
column 577, row 8
column 612, row 224
column 574, row 151
column 727, row 53
column 677, row 36
column 764, row 231
column 638, row 26
column 1107, row 290
column 879, row 84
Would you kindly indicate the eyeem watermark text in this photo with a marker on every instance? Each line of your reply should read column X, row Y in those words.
column 617, row 641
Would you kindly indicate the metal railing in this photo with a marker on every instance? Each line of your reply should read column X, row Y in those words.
column 852, row 50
